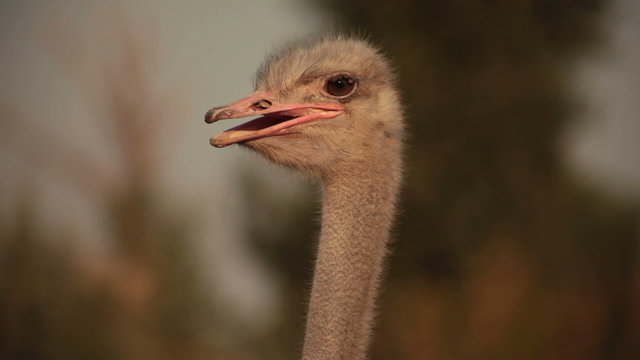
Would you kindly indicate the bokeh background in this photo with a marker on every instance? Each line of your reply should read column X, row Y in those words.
column 124, row 235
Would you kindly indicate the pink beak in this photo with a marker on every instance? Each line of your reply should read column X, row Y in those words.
column 277, row 119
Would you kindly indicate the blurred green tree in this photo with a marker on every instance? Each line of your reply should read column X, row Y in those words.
column 501, row 252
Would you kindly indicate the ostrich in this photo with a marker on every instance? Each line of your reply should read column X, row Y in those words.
column 330, row 109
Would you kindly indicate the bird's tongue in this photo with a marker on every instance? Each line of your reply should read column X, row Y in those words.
column 277, row 123
column 260, row 123
column 250, row 130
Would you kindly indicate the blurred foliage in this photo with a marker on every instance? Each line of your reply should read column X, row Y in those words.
column 142, row 300
column 500, row 252
column 57, row 304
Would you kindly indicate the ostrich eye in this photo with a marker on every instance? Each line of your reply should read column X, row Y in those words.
column 341, row 85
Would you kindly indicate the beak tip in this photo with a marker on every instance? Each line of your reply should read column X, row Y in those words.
column 208, row 117
column 218, row 113
column 215, row 143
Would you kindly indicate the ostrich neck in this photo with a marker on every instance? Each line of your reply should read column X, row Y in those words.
column 357, row 211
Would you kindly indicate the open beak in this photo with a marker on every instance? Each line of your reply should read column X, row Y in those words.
column 276, row 118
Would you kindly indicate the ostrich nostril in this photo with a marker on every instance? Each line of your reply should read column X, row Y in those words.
column 263, row 104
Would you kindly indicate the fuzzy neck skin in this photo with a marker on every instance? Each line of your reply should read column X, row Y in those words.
column 357, row 211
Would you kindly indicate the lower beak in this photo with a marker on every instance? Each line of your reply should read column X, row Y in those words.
column 277, row 118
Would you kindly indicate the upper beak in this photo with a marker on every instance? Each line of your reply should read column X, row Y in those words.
column 278, row 117
column 255, row 104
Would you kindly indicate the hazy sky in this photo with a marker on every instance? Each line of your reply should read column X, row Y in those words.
column 207, row 53
column 606, row 145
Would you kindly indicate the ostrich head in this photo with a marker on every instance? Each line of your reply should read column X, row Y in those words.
column 323, row 105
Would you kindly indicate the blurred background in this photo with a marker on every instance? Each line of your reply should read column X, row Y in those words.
column 125, row 235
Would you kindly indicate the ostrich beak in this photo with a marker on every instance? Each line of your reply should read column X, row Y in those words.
column 276, row 118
